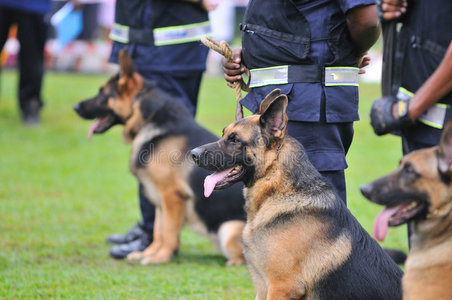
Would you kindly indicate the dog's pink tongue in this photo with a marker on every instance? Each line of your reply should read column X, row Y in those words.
column 92, row 128
column 211, row 181
column 380, row 227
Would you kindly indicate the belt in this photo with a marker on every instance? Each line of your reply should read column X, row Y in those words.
column 329, row 76
column 160, row 36
column 436, row 116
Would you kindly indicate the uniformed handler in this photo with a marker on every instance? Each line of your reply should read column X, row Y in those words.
column 422, row 100
column 163, row 40
column 312, row 51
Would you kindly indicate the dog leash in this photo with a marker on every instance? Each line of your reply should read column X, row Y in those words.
column 224, row 49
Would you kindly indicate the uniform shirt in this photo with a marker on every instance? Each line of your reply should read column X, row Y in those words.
column 419, row 63
column 341, row 102
column 33, row 6
column 183, row 57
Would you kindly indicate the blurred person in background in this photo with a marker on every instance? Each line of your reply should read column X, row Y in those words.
column 32, row 26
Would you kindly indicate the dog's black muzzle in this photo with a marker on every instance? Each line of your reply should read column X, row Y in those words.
column 212, row 158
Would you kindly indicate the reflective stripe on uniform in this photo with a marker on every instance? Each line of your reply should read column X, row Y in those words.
column 332, row 76
column 341, row 76
column 119, row 33
column 181, row 34
column 164, row 35
column 434, row 116
column 270, row 75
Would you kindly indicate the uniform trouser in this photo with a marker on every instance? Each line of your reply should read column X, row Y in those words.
column 185, row 87
column 326, row 145
column 31, row 33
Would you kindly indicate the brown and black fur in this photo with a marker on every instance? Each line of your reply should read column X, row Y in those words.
column 300, row 241
column 422, row 187
column 162, row 132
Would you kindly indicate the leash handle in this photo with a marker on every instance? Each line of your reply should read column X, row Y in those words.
column 224, row 49
column 389, row 31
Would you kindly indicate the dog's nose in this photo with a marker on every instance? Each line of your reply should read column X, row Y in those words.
column 77, row 107
column 196, row 154
column 366, row 190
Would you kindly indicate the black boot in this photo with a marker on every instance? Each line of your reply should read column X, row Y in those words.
column 30, row 114
column 140, row 244
column 133, row 234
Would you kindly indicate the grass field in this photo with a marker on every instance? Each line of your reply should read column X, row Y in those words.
column 61, row 195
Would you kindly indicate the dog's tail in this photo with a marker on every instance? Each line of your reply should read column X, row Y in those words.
column 398, row 256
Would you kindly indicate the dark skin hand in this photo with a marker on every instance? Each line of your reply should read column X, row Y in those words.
column 393, row 9
column 207, row 5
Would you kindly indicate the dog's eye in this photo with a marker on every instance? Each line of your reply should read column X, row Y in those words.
column 408, row 168
column 409, row 172
column 233, row 139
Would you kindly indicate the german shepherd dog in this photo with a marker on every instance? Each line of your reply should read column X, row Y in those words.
column 300, row 241
column 162, row 132
column 419, row 191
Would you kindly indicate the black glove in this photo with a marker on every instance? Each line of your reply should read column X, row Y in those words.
column 381, row 117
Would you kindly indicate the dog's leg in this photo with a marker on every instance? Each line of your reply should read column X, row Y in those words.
column 230, row 234
column 173, row 211
column 284, row 290
column 282, row 274
column 156, row 242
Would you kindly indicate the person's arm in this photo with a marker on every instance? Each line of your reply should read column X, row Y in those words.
column 436, row 87
column 363, row 25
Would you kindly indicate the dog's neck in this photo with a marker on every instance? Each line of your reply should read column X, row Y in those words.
column 286, row 172
column 428, row 253
column 434, row 230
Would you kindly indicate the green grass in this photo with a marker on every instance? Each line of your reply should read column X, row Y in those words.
column 61, row 195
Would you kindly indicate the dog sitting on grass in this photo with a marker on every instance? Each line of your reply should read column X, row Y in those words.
column 162, row 132
column 300, row 241
column 419, row 192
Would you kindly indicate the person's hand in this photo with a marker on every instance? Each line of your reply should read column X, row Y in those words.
column 389, row 114
column 77, row 4
column 363, row 62
column 233, row 70
column 209, row 5
column 391, row 9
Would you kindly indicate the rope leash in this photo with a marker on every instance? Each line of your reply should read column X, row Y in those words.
column 224, row 49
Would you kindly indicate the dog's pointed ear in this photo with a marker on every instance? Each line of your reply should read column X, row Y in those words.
column 445, row 150
column 274, row 119
column 126, row 68
column 268, row 99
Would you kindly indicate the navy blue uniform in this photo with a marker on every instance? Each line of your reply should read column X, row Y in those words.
column 424, row 20
column 176, row 66
column 307, row 33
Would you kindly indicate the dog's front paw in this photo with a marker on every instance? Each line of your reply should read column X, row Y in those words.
column 162, row 257
column 136, row 255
